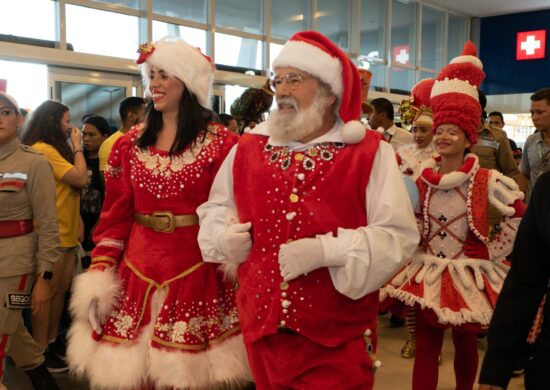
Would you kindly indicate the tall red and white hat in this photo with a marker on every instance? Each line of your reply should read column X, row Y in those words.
column 454, row 97
column 312, row 52
column 421, row 101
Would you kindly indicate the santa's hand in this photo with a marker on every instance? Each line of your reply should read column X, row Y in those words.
column 300, row 257
column 235, row 242
column 93, row 317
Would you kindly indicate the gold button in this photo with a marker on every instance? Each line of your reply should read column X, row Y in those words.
column 284, row 286
column 299, row 156
column 312, row 152
column 294, row 198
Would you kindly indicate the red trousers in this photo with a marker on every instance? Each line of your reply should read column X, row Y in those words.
column 429, row 340
column 285, row 361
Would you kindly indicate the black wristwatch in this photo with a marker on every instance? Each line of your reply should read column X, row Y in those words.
column 46, row 275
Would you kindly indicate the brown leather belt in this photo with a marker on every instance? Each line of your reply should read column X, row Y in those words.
column 165, row 221
column 15, row 228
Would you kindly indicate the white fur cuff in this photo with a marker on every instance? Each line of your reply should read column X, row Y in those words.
column 101, row 285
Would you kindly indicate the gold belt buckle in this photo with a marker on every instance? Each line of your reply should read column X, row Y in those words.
column 159, row 218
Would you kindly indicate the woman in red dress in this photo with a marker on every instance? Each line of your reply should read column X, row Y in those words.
column 149, row 312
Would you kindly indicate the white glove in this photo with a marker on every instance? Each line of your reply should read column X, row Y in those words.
column 235, row 242
column 300, row 257
column 503, row 192
column 93, row 317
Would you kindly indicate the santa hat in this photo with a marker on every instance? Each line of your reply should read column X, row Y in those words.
column 181, row 60
column 454, row 97
column 317, row 55
column 10, row 100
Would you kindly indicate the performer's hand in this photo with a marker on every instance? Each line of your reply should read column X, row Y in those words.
column 235, row 242
column 40, row 295
column 490, row 387
column 300, row 257
column 93, row 317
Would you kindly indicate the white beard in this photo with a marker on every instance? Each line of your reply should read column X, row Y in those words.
column 297, row 125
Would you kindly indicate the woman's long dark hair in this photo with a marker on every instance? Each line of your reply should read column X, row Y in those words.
column 45, row 126
column 192, row 123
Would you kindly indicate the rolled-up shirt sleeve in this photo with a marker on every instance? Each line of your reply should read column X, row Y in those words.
column 371, row 255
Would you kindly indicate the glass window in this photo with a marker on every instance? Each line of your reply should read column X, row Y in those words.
column 427, row 75
column 196, row 10
column 274, row 50
column 402, row 80
column 29, row 18
column 236, row 51
column 125, row 3
column 333, row 20
column 432, row 38
column 378, row 79
column 194, row 36
column 373, row 28
column 289, row 17
column 27, row 83
column 81, row 21
column 457, row 36
column 243, row 15
column 403, row 33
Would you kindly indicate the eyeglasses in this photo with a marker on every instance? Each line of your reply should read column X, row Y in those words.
column 293, row 80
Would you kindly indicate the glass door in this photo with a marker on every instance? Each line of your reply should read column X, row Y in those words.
column 96, row 93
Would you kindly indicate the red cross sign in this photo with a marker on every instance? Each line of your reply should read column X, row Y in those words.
column 530, row 45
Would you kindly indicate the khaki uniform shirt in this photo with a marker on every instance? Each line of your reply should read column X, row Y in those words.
column 494, row 152
column 35, row 199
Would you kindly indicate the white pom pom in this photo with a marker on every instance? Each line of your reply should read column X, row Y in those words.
column 368, row 332
column 353, row 132
column 377, row 363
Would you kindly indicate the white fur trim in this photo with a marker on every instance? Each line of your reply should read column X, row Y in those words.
column 223, row 363
column 353, row 132
column 229, row 270
column 454, row 85
column 313, row 60
column 467, row 58
column 125, row 366
column 184, row 62
column 101, row 285
column 111, row 366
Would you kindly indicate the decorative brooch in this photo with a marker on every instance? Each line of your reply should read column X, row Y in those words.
column 407, row 111
column 145, row 50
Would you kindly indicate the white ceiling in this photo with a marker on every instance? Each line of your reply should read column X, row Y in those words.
column 481, row 8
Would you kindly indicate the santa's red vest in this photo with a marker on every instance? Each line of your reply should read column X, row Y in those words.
column 291, row 195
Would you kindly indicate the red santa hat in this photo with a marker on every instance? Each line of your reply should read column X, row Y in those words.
column 182, row 61
column 317, row 55
column 454, row 97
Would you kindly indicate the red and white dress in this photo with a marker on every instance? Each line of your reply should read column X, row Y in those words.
column 169, row 319
column 451, row 287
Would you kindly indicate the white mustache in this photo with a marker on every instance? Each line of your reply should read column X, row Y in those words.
column 287, row 101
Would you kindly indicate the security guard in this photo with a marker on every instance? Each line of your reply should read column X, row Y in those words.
column 27, row 192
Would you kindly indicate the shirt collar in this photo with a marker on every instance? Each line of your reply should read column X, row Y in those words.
column 7, row 149
column 391, row 130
